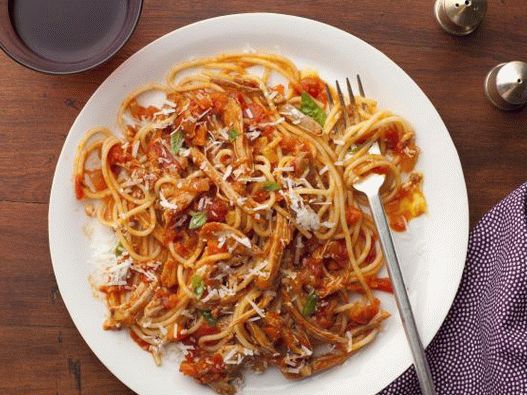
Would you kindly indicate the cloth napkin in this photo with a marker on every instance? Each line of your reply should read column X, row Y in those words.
column 481, row 347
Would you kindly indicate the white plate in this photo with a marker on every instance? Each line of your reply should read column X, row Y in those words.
column 433, row 251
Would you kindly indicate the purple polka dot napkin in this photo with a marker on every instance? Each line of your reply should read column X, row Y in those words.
column 481, row 347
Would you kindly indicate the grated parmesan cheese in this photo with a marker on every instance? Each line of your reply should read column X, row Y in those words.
column 164, row 111
column 257, row 270
column 228, row 172
column 165, row 203
column 135, row 148
column 151, row 277
column 258, row 310
column 306, row 218
column 253, row 135
column 242, row 240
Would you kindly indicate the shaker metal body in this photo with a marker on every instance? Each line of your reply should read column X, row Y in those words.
column 506, row 85
column 460, row 17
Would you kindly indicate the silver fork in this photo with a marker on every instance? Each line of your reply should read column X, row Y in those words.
column 370, row 186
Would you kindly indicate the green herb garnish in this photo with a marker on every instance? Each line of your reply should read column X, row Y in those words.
column 176, row 141
column 199, row 218
column 208, row 316
column 119, row 249
column 354, row 149
column 310, row 304
column 233, row 134
column 309, row 107
column 271, row 186
column 198, row 286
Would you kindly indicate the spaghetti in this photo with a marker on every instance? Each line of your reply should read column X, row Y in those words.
column 240, row 237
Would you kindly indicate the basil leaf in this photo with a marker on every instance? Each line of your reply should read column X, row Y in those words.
column 208, row 316
column 309, row 107
column 119, row 249
column 271, row 186
column 233, row 134
column 310, row 304
column 198, row 219
column 176, row 141
column 198, row 286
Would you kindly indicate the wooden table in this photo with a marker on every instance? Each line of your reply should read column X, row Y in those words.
column 41, row 351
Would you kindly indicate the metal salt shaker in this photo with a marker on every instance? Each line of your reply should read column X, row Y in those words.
column 460, row 17
column 506, row 85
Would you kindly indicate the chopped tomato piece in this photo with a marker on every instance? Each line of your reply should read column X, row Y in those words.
column 117, row 155
column 268, row 130
column 143, row 344
column 315, row 87
column 391, row 136
column 97, row 179
column 257, row 111
column 353, row 215
column 361, row 313
column 170, row 301
column 205, row 369
column 79, row 192
column 140, row 112
column 324, row 315
column 204, row 101
column 219, row 101
column 260, row 195
column 279, row 88
column 200, row 139
column 337, row 250
column 214, row 248
column 205, row 330
column 217, row 210
column 380, row 284
column 292, row 144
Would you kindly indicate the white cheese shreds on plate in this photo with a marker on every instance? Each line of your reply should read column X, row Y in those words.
column 244, row 241
column 164, row 111
column 165, row 203
column 151, row 277
column 257, row 270
column 253, row 135
column 135, row 148
column 107, row 268
column 284, row 169
column 213, row 294
column 228, row 172
column 258, row 310
column 306, row 217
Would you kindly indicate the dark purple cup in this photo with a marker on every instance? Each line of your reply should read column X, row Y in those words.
column 66, row 36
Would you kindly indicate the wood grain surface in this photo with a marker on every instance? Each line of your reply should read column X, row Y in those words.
column 41, row 351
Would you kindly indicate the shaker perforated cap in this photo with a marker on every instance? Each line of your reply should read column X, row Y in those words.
column 460, row 17
column 506, row 85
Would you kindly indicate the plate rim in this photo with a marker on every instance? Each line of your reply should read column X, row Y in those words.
column 53, row 193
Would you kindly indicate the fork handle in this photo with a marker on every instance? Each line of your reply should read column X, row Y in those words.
column 401, row 296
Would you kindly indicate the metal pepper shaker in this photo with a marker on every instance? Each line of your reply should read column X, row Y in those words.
column 506, row 85
column 460, row 17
